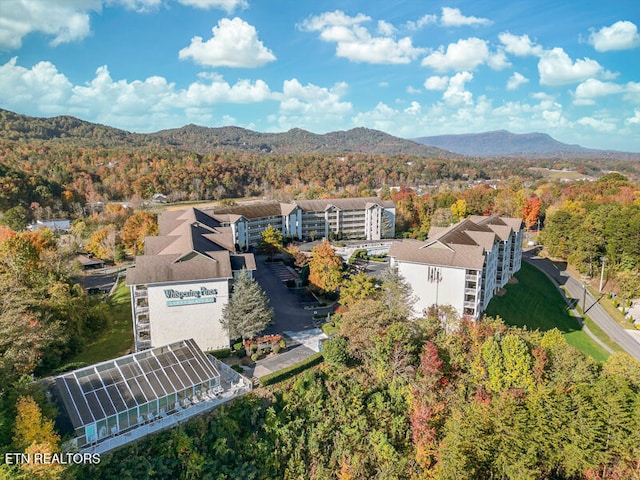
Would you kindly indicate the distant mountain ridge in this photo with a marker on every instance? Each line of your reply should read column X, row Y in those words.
column 501, row 143
column 205, row 140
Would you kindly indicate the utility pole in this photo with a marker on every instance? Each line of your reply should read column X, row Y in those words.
column 584, row 298
column 604, row 259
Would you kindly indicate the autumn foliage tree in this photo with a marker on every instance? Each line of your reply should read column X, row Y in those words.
column 325, row 268
column 270, row 241
column 138, row 226
column 34, row 434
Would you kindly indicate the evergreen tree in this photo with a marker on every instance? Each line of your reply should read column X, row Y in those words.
column 248, row 312
column 396, row 294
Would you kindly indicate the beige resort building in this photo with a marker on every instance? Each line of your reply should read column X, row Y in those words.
column 463, row 265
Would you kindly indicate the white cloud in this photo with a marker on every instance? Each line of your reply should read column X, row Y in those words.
column 456, row 93
column 635, row 120
column 516, row 80
column 412, row 90
column 414, row 109
column 139, row 105
column 217, row 90
column 619, row 36
column 226, row 5
column 590, row 89
column 452, row 17
column 519, row 46
column 234, row 43
column 556, row 68
column 355, row 42
column 385, row 28
column 137, row 5
column 41, row 87
column 421, row 22
column 632, row 92
column 436, row 83
column 311, row 98
column 600, row 125
column 311, row 107
column 66, row 21
column 464, row 55
column 498, row 61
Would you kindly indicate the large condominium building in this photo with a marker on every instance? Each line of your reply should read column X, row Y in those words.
column 369, row 218
column 462, row 265
column 182, row 282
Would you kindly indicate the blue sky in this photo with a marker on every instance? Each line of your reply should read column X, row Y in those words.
column 410, row 68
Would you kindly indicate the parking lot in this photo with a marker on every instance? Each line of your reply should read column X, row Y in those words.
column 288, row 304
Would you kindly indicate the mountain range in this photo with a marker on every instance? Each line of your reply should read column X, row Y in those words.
column 502, row 143
column 203, row 140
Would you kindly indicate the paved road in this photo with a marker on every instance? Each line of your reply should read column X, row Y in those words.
column 288, row 305
column 593, row 309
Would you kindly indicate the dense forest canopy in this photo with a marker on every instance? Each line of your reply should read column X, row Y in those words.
column 486, row 401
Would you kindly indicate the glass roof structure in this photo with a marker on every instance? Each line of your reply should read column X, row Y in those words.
column 102, row 390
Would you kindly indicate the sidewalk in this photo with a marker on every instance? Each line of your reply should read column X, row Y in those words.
column 301, row 345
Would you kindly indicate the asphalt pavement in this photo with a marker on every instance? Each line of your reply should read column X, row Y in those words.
column 592, row 308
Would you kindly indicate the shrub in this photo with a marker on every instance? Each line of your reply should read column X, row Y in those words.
column 68, row 367
column 294, row 369
column 241, row 352
column 253, row 348
column 335, row 350
column 276, row 348
column 266, row 351
column 282, row 344
column 222, row 353
column 255, row 357
column 237, row 346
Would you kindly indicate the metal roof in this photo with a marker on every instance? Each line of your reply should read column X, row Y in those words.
column 105, row 389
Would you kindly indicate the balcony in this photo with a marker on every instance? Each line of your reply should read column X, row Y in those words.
column 141, row 309
column 471, row 278
column 470, row 291
column 142, row 293
column 470, row 305
column 143, row 325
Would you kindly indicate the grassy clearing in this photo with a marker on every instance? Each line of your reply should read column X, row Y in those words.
column 535, row 303
column 118, row 339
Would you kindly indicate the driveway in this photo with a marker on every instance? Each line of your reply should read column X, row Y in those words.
column 288, row 304
column 592, row 309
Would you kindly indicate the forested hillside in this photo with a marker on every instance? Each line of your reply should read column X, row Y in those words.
column 413, row 401
column 203, row 140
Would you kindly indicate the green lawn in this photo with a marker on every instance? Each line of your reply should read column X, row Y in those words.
column 535, row 302
column 118, row 339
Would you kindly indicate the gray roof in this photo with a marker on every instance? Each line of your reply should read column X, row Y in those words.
column 192, row 245
column 461, row 245
column 343, row 203
column 438, row 253
column 514, row 223
column 252, row 211
column 99, row 391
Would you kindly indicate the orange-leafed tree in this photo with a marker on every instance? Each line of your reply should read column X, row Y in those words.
column 531, row 211
column 325, row 268
column 139, row 225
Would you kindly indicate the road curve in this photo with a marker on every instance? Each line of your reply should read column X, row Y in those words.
column 593, row 309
